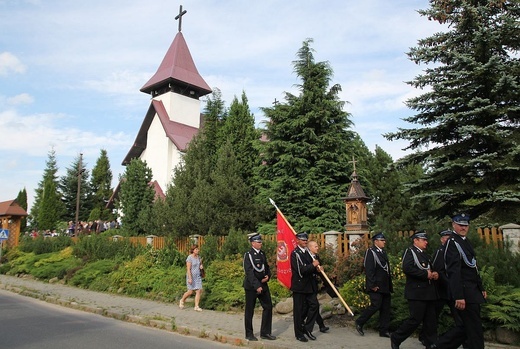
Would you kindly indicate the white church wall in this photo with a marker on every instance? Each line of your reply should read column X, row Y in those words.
column 181, row 108
column 157, row 154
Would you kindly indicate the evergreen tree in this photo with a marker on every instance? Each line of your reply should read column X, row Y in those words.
column 239, row 130
column 136, row 197
column 21, row 199
column 58, row 208
column 101, row 187
column 232, row 198
column 468, row 138
column 306, row 158
column 392, row 208
column 69, row 188
column 50, row 207
column 215, row 114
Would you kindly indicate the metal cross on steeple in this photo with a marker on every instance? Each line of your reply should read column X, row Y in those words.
column 179, row 17
column 353, row 163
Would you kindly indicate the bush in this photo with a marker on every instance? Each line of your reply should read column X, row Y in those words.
column 40, row 244
column 503, row 307
column 235, row 245
column 223, row 286
column 210, row 250
column 97, row 247
column 85, row 276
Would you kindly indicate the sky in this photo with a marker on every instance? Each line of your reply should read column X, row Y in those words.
column 70, row 71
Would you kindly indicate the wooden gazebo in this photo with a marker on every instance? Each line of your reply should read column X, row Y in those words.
column 11, row 214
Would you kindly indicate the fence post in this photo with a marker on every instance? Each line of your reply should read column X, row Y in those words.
column 511, row 232
column 331, row 239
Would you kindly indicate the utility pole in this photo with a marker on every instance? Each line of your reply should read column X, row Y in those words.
column 78, row 193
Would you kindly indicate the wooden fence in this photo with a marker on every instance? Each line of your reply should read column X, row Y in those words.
column 491, row 235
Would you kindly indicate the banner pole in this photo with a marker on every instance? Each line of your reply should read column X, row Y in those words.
column 321, row 269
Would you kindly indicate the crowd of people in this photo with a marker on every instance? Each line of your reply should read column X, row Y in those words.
column 450, row 279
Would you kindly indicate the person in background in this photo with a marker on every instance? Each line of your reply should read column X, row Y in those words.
column 304, row 288
column 314, row 248
column 420, row 292
column 465, row 287
column 378, row 284
column 193, row 277
column 257, row 274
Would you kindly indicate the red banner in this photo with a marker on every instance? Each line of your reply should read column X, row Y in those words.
column 286, row 244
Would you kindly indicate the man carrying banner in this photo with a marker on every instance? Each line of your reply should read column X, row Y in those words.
column 304, row 288
column 257, row 274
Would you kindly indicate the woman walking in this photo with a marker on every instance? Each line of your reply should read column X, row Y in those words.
column 194, row 269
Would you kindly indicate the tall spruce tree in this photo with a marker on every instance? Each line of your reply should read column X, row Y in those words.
column 468, row 135
column 136, row 197
column 54, row 207
column 68, row 185
column 238, row 129
column 50, row 210
column 101, row 187
column 306, row 158
column 21, row 199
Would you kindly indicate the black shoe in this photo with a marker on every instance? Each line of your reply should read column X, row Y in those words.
column 324, row 329
column 432, row 346
column 384, row 334
column 251, row 338
column 302, row 339
column 267, row 336
column 359, row 329
column 393, row 344
column 310, row 335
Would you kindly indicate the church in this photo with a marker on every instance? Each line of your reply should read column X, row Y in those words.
column 173, row 117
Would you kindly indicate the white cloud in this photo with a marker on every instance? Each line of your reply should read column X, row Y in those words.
column 23, row 98
column 10, row 63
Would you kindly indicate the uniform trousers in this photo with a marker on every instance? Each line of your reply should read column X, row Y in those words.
column 421, row 311
column 470, row 331
column 378, row 302
column 305, row 311
column 267, row 311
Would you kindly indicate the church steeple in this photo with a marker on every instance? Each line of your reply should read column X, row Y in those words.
column 177, row 72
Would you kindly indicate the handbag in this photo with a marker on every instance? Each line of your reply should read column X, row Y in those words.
column 202, row 271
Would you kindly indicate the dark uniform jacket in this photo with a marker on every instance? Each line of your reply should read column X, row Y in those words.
column 303, row 272
column 439, row 266
column 375, row 263
column 418, row 286
column 254, row 261
column 464, row 280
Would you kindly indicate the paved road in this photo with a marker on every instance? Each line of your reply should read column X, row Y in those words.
column 212, row 325
column 28, row 323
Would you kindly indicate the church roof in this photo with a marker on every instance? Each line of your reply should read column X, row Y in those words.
column 179, row 134
column 177, row 68
column 11, row 208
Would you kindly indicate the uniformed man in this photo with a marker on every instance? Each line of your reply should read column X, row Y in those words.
column 304, row 288
column 465, row 286
column 420, row 292
column 314, row 248
column 257, row 274
column 378, row 284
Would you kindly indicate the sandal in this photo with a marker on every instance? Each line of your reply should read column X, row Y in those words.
column 197, row 309
column 181, row 304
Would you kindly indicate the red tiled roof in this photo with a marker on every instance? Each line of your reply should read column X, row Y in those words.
column 177, row 67
column 179, row 134
column 11, row 208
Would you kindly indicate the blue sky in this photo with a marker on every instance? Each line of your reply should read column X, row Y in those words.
column 70, row 71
